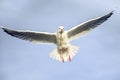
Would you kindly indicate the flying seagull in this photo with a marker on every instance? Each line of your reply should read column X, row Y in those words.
column 64, row 51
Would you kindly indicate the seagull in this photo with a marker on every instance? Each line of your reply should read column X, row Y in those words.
column 64, row 51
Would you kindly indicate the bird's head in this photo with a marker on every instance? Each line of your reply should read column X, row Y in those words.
column 61, row 29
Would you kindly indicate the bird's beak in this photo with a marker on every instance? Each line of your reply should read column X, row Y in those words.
column 62, row 30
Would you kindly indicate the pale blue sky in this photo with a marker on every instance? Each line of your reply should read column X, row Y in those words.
column 99, row 54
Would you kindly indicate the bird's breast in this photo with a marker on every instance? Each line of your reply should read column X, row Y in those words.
column 62, row 40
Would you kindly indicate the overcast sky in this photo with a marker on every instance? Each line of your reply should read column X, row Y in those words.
column 99, row 54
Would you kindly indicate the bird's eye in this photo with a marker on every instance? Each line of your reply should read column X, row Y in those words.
column 61, row 27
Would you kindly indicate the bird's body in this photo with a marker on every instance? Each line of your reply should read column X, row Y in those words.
column 64, row 51
column 63, row 47
column 62, row 44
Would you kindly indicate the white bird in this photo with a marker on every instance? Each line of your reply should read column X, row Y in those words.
column 64, row 51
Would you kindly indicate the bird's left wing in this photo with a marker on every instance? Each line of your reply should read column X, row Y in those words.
column 83, row 28
column 42, row 37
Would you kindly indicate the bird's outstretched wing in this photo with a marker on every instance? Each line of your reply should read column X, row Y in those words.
column 42, row 37
column 83, row 28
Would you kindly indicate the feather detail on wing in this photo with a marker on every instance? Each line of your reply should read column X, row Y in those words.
column 42, row 37
column 86, row 27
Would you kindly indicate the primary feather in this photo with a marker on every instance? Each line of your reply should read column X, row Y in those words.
column 42, row 37
column 85, row 27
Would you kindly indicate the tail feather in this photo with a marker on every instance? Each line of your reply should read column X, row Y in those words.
column 72, row 52
column 55, row 55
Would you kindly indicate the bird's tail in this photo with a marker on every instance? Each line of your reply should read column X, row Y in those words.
column 72, row 52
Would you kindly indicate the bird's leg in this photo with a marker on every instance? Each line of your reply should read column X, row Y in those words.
column 67, row 50
column 62, row 58
column 69, row 57
column 61, row 55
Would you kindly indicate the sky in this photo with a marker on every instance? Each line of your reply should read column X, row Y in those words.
column 98, row 57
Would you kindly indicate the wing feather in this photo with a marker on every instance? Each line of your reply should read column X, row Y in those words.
column 84, row 28
column 42, row 37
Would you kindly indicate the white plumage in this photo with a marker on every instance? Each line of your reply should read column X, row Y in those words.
column 64, row 51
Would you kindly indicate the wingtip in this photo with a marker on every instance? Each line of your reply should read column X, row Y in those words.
column 109, row 14
column 3, row 28
column 112, row 12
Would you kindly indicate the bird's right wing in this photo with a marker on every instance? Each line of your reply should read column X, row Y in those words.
column 84, row 28
column 42, row 37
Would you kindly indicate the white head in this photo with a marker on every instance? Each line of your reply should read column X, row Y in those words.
column 61, row 29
